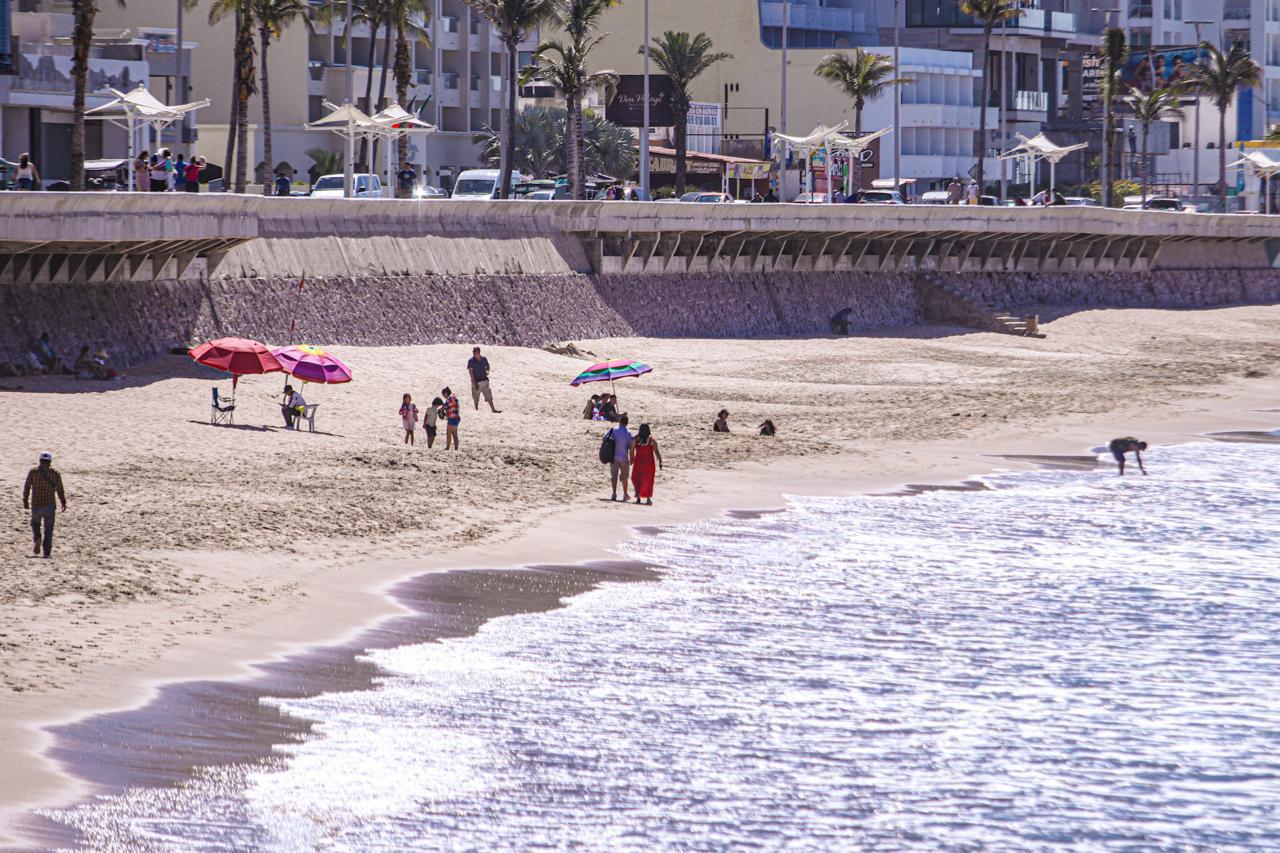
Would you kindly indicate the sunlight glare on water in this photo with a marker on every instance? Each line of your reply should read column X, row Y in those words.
column 1068, row 659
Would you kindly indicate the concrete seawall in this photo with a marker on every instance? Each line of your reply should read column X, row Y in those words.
column 135, row 320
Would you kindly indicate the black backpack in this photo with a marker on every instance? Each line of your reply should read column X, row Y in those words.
column 608, row 447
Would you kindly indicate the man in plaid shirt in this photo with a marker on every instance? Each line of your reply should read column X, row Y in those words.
column 42, row 489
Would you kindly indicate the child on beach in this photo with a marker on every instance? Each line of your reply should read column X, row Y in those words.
column 452, row 417
column 429, row 420
column 408, row 418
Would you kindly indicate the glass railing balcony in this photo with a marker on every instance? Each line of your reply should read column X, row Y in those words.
column 448, row 24
column 1062, row 22
column 1236, row 12
column 1036, row 102
column 423, row 76
column 1140, row 10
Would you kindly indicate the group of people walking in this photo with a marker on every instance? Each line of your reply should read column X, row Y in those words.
column 446, row 407
column 634, row 460
column 162, row 172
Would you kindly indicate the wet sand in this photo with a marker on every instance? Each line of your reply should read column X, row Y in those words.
column 191, row 725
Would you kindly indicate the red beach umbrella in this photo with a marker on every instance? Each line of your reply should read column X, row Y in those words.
column 237, row 356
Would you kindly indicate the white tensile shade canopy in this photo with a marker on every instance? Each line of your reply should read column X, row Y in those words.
column 394, row 122
column 137, row 109
column 349, row 122
column 1264, row 167
column 826, row 139
column 1041, row 147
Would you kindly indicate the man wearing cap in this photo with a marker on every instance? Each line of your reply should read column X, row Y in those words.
column 43, row 488
column 478, row 368
column 291, row 406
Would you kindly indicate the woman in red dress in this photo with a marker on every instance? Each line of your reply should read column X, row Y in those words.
column 644, row 452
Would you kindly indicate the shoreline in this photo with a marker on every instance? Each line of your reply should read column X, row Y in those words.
column 338, row 610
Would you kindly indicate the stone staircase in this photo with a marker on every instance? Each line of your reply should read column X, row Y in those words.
column 942, row 302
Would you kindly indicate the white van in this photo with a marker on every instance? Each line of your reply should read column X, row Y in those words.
column 364, row 185
column 482, row 183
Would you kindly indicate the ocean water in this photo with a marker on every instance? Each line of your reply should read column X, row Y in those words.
column 1068, row 659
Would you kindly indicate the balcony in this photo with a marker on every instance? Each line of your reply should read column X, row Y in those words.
column 1062, row 22
column 422, row 76
column 1031, row 102
column 1236, row 12
column 808, row 17
column 448, row 36
column 1141, row 10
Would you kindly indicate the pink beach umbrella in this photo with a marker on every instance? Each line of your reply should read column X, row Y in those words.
column 312, row 364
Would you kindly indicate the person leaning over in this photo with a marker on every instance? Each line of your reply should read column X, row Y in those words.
column 39, row 494
column 478, row 369
column 1120, row 446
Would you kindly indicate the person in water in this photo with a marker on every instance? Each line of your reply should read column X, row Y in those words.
column 1121, row 446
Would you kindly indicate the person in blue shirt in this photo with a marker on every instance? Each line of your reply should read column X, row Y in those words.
column 284, row 185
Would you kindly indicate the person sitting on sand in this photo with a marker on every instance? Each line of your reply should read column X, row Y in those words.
column 291, row 406
column 48, row 358
column 767, row 428
column 644, row 451
column 408, row 418
column 722, row 422
column 84, row 364
column 452, row 418
column 1120, row 446
column 592, row 408
column 608, row 407
column 430, row 418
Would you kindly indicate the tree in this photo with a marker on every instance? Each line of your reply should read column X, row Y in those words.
column 683, row 58
column 244, row 73
column 1115, row 50
column 990, row 13
column 273, row 16
column 861, row 76
column 83, row 12
column 541, row 149
column 565, row 67
column 1157, row 105
column 513, row 19
column 1219, row 78
column 410, row 17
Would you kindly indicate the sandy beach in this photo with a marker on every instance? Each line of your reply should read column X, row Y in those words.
column 191, row 550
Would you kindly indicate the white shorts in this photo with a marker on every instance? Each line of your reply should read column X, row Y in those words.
column 481, row 389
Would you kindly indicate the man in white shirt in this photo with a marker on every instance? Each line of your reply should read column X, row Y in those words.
column 291, row 406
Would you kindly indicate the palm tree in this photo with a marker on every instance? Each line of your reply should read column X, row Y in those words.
column 1219, row 78
column 541, row 147
column 273, row 16
column 1148, row 109
column 565, row 67
column 861, row 76
column 1115, row 50
column 683, row 58
column 513, row 19
column 244, row 74
column 373, row 13
column 83, row 13
column 990, row 13
column 410, row 17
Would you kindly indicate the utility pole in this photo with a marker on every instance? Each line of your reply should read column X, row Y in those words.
column 786, row 14
column 349, row 166
column 897, row 105
column 1004, row 127
column 644, row 131
column 183, row 134
column 1195, row 158
column 1104, row 178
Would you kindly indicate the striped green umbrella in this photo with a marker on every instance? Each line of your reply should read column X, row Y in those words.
column 608, row 371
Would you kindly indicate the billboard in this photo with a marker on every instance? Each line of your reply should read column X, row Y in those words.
column 627, row 107
column 1159, row 66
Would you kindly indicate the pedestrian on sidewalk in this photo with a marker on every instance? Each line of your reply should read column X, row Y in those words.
column 478, row 368
column 40, row 495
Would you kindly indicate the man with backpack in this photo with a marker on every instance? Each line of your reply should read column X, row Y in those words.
column 40, row 494
column 616, row 450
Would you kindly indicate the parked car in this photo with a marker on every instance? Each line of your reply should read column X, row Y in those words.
column 429, row 192
column 882, row 197
column 713, row 198
column 482, row 184
column 1080, row 201
column 364, row 185
column 691, row 196
column 542, row 195
column 934, row 197
column 1168, row 205
column 810, row 198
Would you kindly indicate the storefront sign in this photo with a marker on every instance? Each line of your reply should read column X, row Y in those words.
column 627, row 107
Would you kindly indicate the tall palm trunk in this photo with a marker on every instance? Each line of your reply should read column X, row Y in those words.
column 1222, row 158
column 1108, row 152
column 573, row 141
column 382, row 83
column 513, row 50
column 403, row 71
column 1146, row 166
column 228, row 164
column 982, row 114
column 681, row 116
column 82, row 42
column 244, row 57
column 362, row 161
column 264, row 35
column 856, row 165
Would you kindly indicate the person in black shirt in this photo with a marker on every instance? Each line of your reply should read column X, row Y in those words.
column 478, row 368
column 406, row 180
column 1120, row 446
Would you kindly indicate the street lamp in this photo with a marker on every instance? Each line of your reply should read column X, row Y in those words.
column 644, row 131
column 897, row 104
column 1195, row 159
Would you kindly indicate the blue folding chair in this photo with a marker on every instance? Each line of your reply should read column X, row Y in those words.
column 223, row 409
